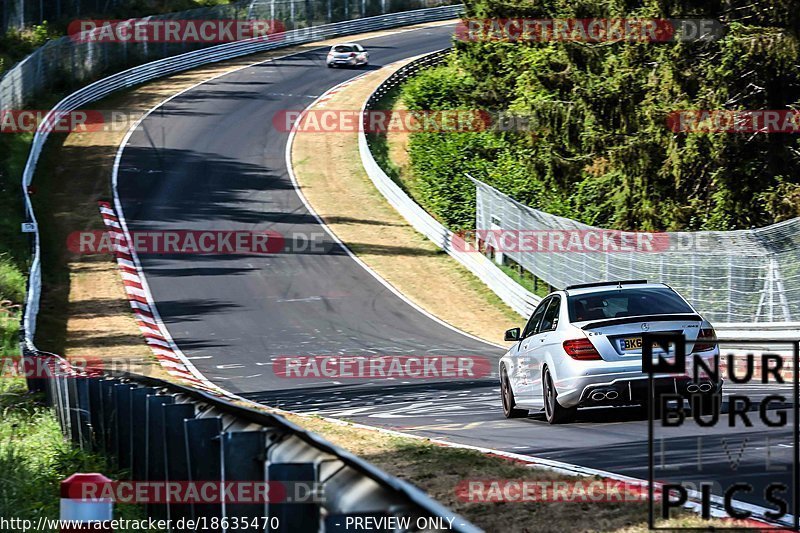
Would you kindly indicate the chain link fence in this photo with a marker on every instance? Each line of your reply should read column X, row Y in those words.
column 64, row 64
column 729, row 276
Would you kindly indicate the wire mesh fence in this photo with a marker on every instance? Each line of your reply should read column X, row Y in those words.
column 729, row 276
column 66, row 63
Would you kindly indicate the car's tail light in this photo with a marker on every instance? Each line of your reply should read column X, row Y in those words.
column 352, row 54
column 581, row 349
column 705, row 334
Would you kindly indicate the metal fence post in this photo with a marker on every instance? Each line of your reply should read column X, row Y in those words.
column 121, row 424
column 175, row 454
column 293, row 515
column 155, row 455
column 204, row 459
column 243, row 460
column 138, row 434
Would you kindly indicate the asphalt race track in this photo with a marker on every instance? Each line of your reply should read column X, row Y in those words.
column 210, row 159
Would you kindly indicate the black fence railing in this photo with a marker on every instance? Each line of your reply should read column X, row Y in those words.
column 160, row 431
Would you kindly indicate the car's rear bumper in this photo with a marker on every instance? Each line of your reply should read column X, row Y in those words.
column 629, row 389
column 636, row 391
column 577, row 381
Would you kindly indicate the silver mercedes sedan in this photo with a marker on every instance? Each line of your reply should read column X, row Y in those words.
column 582, row 347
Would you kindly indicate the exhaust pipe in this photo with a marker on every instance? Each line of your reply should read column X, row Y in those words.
column 693, row 388
column 601, row 395
column 705, row 387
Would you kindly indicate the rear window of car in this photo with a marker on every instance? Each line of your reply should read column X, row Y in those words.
column 624, row 303
column 342, row 48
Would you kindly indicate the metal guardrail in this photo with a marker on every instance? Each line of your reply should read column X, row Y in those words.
column 553, row 272
column 513, row 294
column 164, row 67
column 164, row 432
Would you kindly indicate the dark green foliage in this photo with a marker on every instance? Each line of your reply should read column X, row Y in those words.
column 600, row 150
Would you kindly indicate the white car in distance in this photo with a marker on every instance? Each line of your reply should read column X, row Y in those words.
column 347, row 55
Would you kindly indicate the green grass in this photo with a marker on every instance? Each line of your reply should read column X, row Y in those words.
column 35, row 458
column 14, row 246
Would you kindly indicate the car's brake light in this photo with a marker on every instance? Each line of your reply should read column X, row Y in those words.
column 707, row 334
column 352, row 54
column 581, row 349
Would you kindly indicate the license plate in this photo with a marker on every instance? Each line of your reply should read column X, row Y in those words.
column 631, row 343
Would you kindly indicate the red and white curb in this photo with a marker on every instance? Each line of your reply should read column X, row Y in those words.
column 154, row 332
column 322, row 100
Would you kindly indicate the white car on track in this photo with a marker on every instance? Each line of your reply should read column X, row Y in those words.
column 582, row 347
column 347, row 55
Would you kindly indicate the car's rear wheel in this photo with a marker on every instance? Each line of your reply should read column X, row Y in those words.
column 507, row 395
column 554, row 411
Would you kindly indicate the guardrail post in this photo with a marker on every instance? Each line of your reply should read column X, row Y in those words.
column 138, row 433
column 32, row 364
column 96, row 433
column 204, row 459
column 176, row 458
column 155, row 458
column 82, row 412
column 73, row 408
column 294, row 514
column 108, row 415
column 244, row 458
column 121, row 426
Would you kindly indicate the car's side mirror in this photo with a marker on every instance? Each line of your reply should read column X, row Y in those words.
column 512, row 334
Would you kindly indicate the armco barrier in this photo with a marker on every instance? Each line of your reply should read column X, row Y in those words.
column 512, row 293
column 164, row 432
column 170, row 65
column 517, row 297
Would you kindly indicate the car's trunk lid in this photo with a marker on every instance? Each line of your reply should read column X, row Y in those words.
column 618, row 339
